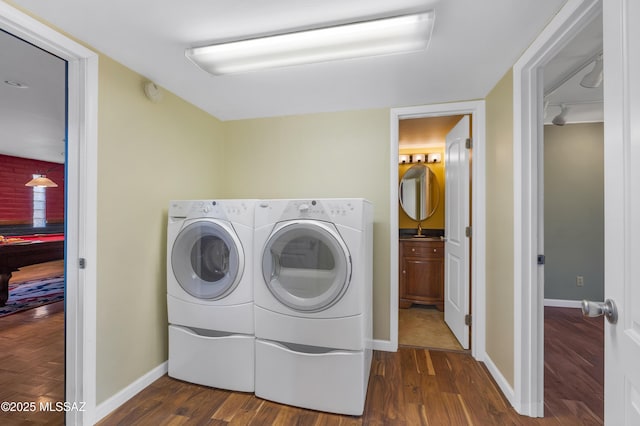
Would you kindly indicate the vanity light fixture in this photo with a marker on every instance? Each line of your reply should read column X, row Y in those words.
column 418, row 158
column 435, row 157
column 404, row 159
column 360, row 39
column 42, row 181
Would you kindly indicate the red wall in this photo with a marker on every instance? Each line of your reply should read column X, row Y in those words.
column 16, row 200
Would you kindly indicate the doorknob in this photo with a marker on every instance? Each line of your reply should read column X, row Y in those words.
column 595, row 309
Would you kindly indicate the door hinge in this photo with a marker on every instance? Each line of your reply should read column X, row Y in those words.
column 468, row 143
column 82, row 263
column 467, row 319
column 467, row 232
column 541, row 259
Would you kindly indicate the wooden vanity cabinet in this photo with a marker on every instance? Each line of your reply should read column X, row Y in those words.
column 421, row 273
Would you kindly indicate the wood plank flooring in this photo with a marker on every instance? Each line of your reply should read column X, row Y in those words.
column 411, row 387
column 574, row 366
column 32, row 363
column 32, row 354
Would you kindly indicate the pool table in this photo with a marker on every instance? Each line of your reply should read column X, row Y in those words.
column 24, row 250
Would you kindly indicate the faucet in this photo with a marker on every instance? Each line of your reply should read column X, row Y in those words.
column 419, row 229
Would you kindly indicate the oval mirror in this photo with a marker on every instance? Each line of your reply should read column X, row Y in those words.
column 419, row 192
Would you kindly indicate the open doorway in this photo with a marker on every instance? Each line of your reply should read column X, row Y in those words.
column 572, row 219
column 531, row 81
column 421, row 219
column 81, row 204
column 474, row 259
column 32, row 225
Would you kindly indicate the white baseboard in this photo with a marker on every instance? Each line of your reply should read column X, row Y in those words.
column 558, row 303
column 105, row 408
column 503, row 384
column 384, row 345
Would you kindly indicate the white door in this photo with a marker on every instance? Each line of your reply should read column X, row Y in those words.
column 622, row 209
column 456, row 248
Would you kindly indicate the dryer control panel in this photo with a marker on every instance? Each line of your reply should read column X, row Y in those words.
column 343, row 211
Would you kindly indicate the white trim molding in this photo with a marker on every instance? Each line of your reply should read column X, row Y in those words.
column 81, row 205
column 384, row 345
column 478, row 242
column 111, row 404
column 501, row 381
column 527, row 159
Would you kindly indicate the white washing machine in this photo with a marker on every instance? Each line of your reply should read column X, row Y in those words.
column 313, row 302
column 210, row 292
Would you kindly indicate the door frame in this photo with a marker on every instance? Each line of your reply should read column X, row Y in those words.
column 528, row 117
column 81, row 205
column 478, row 242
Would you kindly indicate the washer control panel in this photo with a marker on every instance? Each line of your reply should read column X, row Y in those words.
column 231, row 210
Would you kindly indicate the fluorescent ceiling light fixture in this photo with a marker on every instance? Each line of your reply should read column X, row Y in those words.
column 361, row 39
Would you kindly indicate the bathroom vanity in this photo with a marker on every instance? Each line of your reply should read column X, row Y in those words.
column 422, row 272
column 421, row 251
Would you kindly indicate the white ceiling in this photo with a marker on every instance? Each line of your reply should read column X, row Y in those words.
column 32, row 118
column 563, row 74
column 473, row 44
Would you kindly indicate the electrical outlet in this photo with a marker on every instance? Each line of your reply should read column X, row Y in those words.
column 580, row 281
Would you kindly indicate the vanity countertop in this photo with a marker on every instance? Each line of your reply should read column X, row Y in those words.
column 423, row 238
column 428, row 234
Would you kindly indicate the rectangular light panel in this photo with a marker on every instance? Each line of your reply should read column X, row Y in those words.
column 371, row 38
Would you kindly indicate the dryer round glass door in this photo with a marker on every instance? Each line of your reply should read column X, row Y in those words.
column 207, row 259
column 306, row 265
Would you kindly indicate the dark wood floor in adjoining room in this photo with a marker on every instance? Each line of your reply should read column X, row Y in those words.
column 32, row 363
column 32, row 354
column 574, row 366
column 411, row 387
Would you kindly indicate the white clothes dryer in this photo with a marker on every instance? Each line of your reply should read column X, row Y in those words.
column 210, row 292
column 313, row 302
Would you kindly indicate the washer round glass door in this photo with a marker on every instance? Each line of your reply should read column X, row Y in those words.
column 306, row 265
column 207, row 259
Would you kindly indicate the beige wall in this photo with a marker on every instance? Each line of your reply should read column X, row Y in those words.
column 499, row 250
column 319, row 155
column 148, row 153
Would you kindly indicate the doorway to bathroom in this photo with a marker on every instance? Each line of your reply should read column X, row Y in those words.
column 422, row 195
column 431, row 273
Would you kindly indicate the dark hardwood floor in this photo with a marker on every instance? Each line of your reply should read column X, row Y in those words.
column 574, row 366
column 32, row 363
column 411, row 387
column 32, row 354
